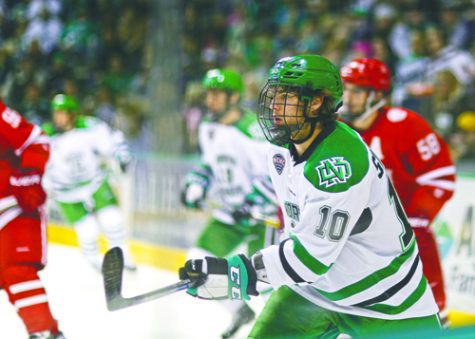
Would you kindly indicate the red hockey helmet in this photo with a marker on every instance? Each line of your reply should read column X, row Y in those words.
column 367, row 72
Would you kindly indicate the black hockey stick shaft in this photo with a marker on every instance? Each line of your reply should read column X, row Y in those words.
column 112, row 271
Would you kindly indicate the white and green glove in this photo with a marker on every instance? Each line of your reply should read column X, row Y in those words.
column 217, row 278
column 196, row 186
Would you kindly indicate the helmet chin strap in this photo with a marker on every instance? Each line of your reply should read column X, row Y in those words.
column 369, row 109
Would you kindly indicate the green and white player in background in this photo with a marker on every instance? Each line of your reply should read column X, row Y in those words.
column 77, row 177
column 348, row 261
column 232, row 180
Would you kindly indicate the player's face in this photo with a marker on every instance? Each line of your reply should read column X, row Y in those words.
column 354, row 98
column 288, row 110
column 285, row 108
column 63, row 120
column 216, row 101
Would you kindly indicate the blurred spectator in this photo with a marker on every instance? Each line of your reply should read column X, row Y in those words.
column 117, row 79
column 105, row 108
column 36, row 7
column 454, row 23
column 382, row 51
column 463, row 141
column 444, row 56
column 78, row 38
column 35, row 107
column 385, row 16
column 58, row 72
column 310, row 40
column 408, row 90
column 44, row 28
column 412, row 18
column 131, row 30
column 450, row 98
column 22, row 74
column 192, row 114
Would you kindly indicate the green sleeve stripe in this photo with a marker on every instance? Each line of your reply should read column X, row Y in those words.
column 307, row 259
column 373, row 278
column 411, row 300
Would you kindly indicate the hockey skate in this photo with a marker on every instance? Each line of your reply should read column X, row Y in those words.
column 243, row 316
column 46, row 335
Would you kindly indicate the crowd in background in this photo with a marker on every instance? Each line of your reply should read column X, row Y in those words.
column 100, row 52
column 94, row 50
column 428, row 44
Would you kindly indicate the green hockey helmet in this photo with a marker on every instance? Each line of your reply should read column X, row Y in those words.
column 223, row 79
column 65, row 103
column 304, row 76
column 312, row 72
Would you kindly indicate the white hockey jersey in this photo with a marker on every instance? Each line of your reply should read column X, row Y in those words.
column 76, row 167
column 348, row 245
column 236, row 156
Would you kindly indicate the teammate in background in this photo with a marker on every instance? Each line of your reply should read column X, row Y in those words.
column 349, row 261
column 77, row 177
column 233, row 163
column 24, row 151
column 415, row 156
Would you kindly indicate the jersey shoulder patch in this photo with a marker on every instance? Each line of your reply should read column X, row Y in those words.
column 339, row 162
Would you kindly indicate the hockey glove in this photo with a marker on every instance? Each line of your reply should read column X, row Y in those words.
column 217, row 278
column 27, row 189
column 196, row 186
column 255, row 210
column 243, row 214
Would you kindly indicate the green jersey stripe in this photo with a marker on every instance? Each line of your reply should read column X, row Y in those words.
column 411, row 300
column 307, row 259
column 373, row 278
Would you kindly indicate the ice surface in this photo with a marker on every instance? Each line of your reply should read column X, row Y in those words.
column 77, row 300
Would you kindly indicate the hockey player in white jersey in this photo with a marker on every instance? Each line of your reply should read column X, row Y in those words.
column 349, row 261
column 233, row 167
column 77, row 178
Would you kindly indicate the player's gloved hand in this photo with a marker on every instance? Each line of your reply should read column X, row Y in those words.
column 255, row 209
column 26, row 187
column 196, row 186
column 217, row 278
column 243, row 214
column 193, row 196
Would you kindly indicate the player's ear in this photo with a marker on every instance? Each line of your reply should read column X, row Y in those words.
column 234, row 98
column 315, row 104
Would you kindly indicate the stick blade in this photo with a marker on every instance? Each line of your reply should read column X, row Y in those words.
column 112, row 268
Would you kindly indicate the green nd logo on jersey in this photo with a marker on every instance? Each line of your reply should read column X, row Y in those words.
column 333, row 171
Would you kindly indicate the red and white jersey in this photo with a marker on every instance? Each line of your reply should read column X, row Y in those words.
column 417, row 160
column 22, row 145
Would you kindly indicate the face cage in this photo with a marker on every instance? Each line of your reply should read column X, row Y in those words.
column 277, row 126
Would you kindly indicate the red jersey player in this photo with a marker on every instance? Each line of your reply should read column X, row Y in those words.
column 24, row 151
column 416, row 157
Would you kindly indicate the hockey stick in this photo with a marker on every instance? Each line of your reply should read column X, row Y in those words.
column 112, row 269
column 267, row 221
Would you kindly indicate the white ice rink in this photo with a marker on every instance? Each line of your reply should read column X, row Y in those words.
column 77, row 300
